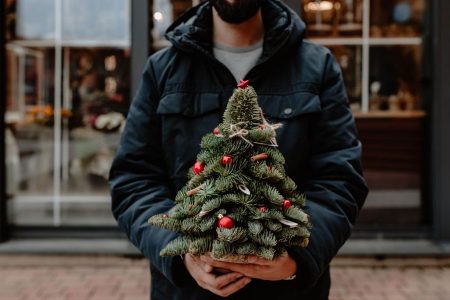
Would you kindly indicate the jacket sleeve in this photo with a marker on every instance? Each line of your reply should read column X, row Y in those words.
column 334, row 188
column 139, row 181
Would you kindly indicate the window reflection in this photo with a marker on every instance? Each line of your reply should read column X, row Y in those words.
column 81, row 19
column 96, row 20
column 34, row 19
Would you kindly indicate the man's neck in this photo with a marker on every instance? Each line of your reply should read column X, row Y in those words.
column 238, row 35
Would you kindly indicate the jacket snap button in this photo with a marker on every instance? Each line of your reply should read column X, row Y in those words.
column 287, row 111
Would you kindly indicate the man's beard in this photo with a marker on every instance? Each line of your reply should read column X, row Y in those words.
column 238, row 12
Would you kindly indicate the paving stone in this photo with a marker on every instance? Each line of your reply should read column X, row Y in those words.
column 65, row 277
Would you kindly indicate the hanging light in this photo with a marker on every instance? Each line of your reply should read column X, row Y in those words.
column 319, row 6
column 158, row 16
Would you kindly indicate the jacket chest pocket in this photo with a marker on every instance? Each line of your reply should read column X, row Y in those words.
column 295, row 112
column 185, row 119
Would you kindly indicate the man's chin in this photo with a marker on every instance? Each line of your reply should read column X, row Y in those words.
column 236, row 12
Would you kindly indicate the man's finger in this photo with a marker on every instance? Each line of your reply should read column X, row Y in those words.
column 234, row 287
column 216, row 263
column 193, row 257
column 260, row 261
column 220, row 271
column 247, row 269
column 207, row 267
column 220, row 281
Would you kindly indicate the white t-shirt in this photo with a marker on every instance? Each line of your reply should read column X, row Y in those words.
column 239, row 60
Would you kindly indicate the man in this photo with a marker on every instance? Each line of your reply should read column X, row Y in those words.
column 182, row 96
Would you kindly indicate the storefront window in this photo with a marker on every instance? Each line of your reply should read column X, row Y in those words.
column 68, row 87
column 378, row 45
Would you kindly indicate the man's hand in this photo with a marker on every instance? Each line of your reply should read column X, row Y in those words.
column 222, row 285
column 278, row 269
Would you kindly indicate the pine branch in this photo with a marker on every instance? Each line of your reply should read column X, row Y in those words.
column 236, row 148
column 224, row 184
column 274, row 226
column 184, row 210
column 270, row 213
column 211, row 141
column 212, row 205
column 287, row 186
column 262, row 171
column 274, row 154
column 261, row 134
column 265, row 238
column 200, row 246
column 266, row 252
column 247, row 248
column 288, row 234
column 273, row 195
column 190, row 226
column 221, row 248
column 178, row 246
column 297, row 214
column 233, row 235
column 166, row 222
column 255, row 227
column 298, row 199
column 207, row 224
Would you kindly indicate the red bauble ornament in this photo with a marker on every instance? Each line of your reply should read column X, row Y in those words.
column 165, row 216
column 216, row 131
column 226, row 160
column 198, row 167
column 261, row 126
column 262, row 209
column 287, row 204
column 189, row 206
column 225, row 222
column 242, row 84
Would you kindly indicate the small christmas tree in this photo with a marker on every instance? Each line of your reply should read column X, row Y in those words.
column 238, row 200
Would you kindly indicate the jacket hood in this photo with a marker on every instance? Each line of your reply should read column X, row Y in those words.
column 192, row 32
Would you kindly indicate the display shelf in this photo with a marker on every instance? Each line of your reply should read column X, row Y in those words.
column 395, row 41
column 391, row 114
column 121, row 44
column 100, row 198
column 388, row 41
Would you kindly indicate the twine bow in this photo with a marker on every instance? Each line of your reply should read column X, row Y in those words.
column 273, row 141
column 239, row 132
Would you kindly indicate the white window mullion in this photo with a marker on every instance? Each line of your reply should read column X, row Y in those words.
column 57, row 116
column 67, row 104
column 366, row 57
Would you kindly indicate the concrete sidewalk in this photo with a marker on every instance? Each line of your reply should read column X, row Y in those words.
column 50, row 277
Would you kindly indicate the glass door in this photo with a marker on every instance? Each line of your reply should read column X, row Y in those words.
column 68, row 93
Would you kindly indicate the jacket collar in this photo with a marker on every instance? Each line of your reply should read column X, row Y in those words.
column 192, row 31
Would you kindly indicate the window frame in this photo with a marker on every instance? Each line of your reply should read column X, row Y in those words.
column 439, row 120
column 3, row 214
column 438, row 187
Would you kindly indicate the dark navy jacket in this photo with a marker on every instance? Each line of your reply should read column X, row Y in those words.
column 182, row 96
